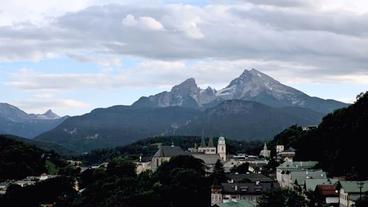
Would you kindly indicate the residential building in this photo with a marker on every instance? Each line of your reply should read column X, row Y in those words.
column 240, row 203
column 283, row 171
column 242, row 187
column 351, row 191
column 328, row 194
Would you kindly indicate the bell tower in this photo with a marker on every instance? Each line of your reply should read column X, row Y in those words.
column 221, row 148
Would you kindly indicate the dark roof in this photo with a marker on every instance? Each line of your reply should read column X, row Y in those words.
column 327, row 190
column 169, row 151
column 208, row 159
column 246, row 188
column 251, row 177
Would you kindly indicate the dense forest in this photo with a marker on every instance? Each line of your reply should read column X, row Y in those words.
column 19, row 160
column 338, row 143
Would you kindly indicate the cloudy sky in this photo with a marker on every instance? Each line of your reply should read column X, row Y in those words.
column 73, row 57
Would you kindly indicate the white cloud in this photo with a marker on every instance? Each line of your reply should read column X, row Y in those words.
column 143, row 22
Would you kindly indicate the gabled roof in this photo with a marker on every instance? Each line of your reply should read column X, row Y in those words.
column 327, row 190
column 298, row 165
column 169, row 151
column 246, row 188
column 311, row 184
column 240, row 203
column 301, row 176
column 353, row 186
column 251, row 177
column 208, row 159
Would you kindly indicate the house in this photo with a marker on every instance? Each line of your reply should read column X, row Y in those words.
column 298, row 178
column 250, row 191
column 242, row 187
column 240, row 203
column 143, row 164
column 164, row 154
column 311, row 184
column 351, row 191
column 328, row 194
column 283, row 171
column 286, row 155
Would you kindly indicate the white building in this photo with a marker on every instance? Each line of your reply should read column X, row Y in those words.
column 221, row 148
column 265, row 152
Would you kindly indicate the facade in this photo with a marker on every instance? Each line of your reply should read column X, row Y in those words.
column 241, row 187
column 221, row 148
column 164, row 154
column 207, row 149
column 328, row 193
column 286, row 155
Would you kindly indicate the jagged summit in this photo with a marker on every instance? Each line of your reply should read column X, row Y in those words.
column 251, row 85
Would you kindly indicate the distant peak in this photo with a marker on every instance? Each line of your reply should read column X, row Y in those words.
column 188, row 83
column 50, row 114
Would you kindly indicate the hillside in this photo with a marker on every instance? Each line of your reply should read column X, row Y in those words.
column 18, row 160
column 338, row 142
column 246, row 120
column 120, row 125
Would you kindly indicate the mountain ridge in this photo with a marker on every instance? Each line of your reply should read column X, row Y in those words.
column 251, row 85
column 17, row 122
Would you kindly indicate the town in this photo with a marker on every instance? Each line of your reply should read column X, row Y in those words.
column 246, row 178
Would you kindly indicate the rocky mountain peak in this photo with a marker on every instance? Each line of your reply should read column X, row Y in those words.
column 188, row 85
column 50, row 114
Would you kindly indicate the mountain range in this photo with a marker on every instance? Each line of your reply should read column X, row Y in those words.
column 17, row 122
column 251, row 85
column 252, row 106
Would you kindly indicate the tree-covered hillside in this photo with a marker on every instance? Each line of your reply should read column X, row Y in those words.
column 339, row 142
column 19, row 160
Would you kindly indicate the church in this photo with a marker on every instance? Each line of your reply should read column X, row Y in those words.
column 206, row 152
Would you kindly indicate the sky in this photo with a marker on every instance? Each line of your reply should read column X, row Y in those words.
column 74, row 57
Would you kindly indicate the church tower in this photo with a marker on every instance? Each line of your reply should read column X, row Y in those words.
column 221, row 148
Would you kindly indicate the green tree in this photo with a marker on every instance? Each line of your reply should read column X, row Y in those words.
column 242, row 169
column 281, row 198
column 121, row 167
column 218, row 176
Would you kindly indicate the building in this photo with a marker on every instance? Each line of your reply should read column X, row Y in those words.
column 297, row 178
column 328, row 194
column 351, row 191
column 283, row 171
column 143, row 164
column 221, row 148
column 208, row 159
column 207, row 149
column 265, row 152
column 311, row 184
column 286, row 155
column 279, row 148
column 239, row 187
column 241, row 203
column 164, row 154
column 228, row 192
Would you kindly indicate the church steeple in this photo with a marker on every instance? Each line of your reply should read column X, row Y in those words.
column 203, row 144
column 210, row 142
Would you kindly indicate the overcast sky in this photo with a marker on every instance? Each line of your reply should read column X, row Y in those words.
column 73, row 57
